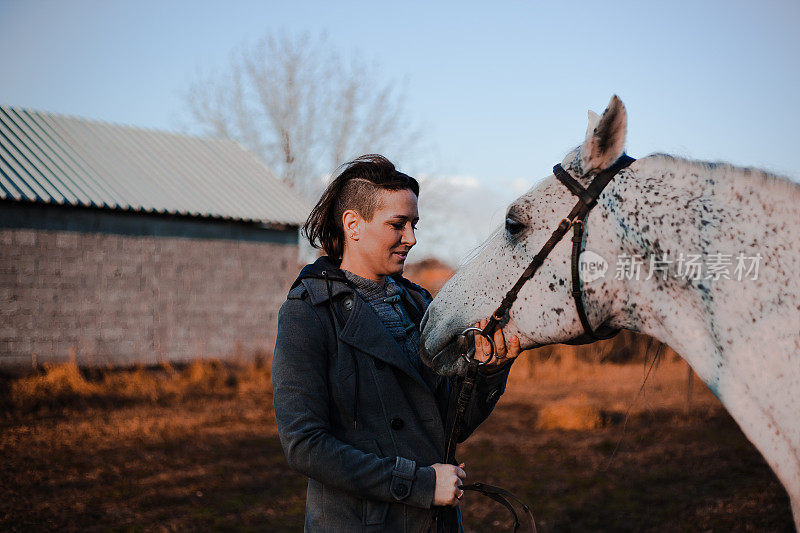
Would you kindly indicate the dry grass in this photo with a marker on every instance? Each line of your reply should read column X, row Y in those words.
column 194, row 447
column 62, row 385
column 574, row 412
column 619, row 447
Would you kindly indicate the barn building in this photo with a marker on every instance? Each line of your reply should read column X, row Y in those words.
column 122, row 245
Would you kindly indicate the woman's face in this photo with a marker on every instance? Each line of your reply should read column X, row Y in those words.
column 378, row 247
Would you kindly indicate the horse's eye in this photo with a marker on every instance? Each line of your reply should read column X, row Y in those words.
column 514, row 227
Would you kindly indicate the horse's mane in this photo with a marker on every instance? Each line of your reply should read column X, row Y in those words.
column 770, row 180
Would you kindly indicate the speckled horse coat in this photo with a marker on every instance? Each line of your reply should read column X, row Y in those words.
column 739, row 327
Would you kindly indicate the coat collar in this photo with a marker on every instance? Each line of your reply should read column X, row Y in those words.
column 318, row 289
column 365, row 331
column 319, row 277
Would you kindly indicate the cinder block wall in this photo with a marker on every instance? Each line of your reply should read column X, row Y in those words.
column 124, row 299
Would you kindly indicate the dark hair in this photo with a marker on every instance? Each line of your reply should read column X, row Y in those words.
column 356, row 187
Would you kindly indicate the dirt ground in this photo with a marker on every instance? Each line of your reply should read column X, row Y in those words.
column 211, row 460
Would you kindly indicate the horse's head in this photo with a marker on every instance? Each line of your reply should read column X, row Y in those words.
column 544, row 312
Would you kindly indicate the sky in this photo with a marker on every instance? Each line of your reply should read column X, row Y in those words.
column 501, row 89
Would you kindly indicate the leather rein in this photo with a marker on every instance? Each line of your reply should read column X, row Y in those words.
column 461, row 396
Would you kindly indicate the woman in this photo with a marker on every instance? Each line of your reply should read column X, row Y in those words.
column 357, row 412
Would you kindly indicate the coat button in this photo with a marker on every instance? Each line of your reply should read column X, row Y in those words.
column 379, row 364
column 347, row 304
column 400, row 490
column 397, row 423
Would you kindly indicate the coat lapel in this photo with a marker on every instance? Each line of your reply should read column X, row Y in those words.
column 365, row 331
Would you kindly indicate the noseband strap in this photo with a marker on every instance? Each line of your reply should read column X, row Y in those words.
column 576, row 219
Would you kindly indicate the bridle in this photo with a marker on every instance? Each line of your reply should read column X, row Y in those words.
column 576, row 219
column 461, row 396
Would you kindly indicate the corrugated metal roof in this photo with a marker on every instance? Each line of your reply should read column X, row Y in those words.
column 50, row 158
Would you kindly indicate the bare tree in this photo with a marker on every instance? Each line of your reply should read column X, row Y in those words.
column 302, row 108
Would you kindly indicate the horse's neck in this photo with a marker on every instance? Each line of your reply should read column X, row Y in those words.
column 741, row 336
column 667, row 207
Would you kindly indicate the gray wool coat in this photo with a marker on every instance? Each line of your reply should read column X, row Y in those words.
column 355, row 416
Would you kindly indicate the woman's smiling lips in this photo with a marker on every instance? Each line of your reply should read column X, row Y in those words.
column 401, row 254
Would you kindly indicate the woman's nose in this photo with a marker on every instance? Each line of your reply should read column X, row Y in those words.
column 409, row 239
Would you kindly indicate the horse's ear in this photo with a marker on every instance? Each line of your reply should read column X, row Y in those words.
column 605, row 142
column 594, row 118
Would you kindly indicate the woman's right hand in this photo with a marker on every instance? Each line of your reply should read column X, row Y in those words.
column 448, row 482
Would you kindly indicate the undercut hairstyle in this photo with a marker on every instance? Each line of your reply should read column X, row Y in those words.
column 357, row 187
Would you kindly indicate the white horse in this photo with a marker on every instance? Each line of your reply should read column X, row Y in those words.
column 702, row 256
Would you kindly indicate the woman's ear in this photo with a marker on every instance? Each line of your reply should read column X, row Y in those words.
column 351, row 224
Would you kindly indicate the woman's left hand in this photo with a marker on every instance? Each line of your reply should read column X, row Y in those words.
column 503, row 352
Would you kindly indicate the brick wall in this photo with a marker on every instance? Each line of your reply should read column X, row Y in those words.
column 123, row 299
